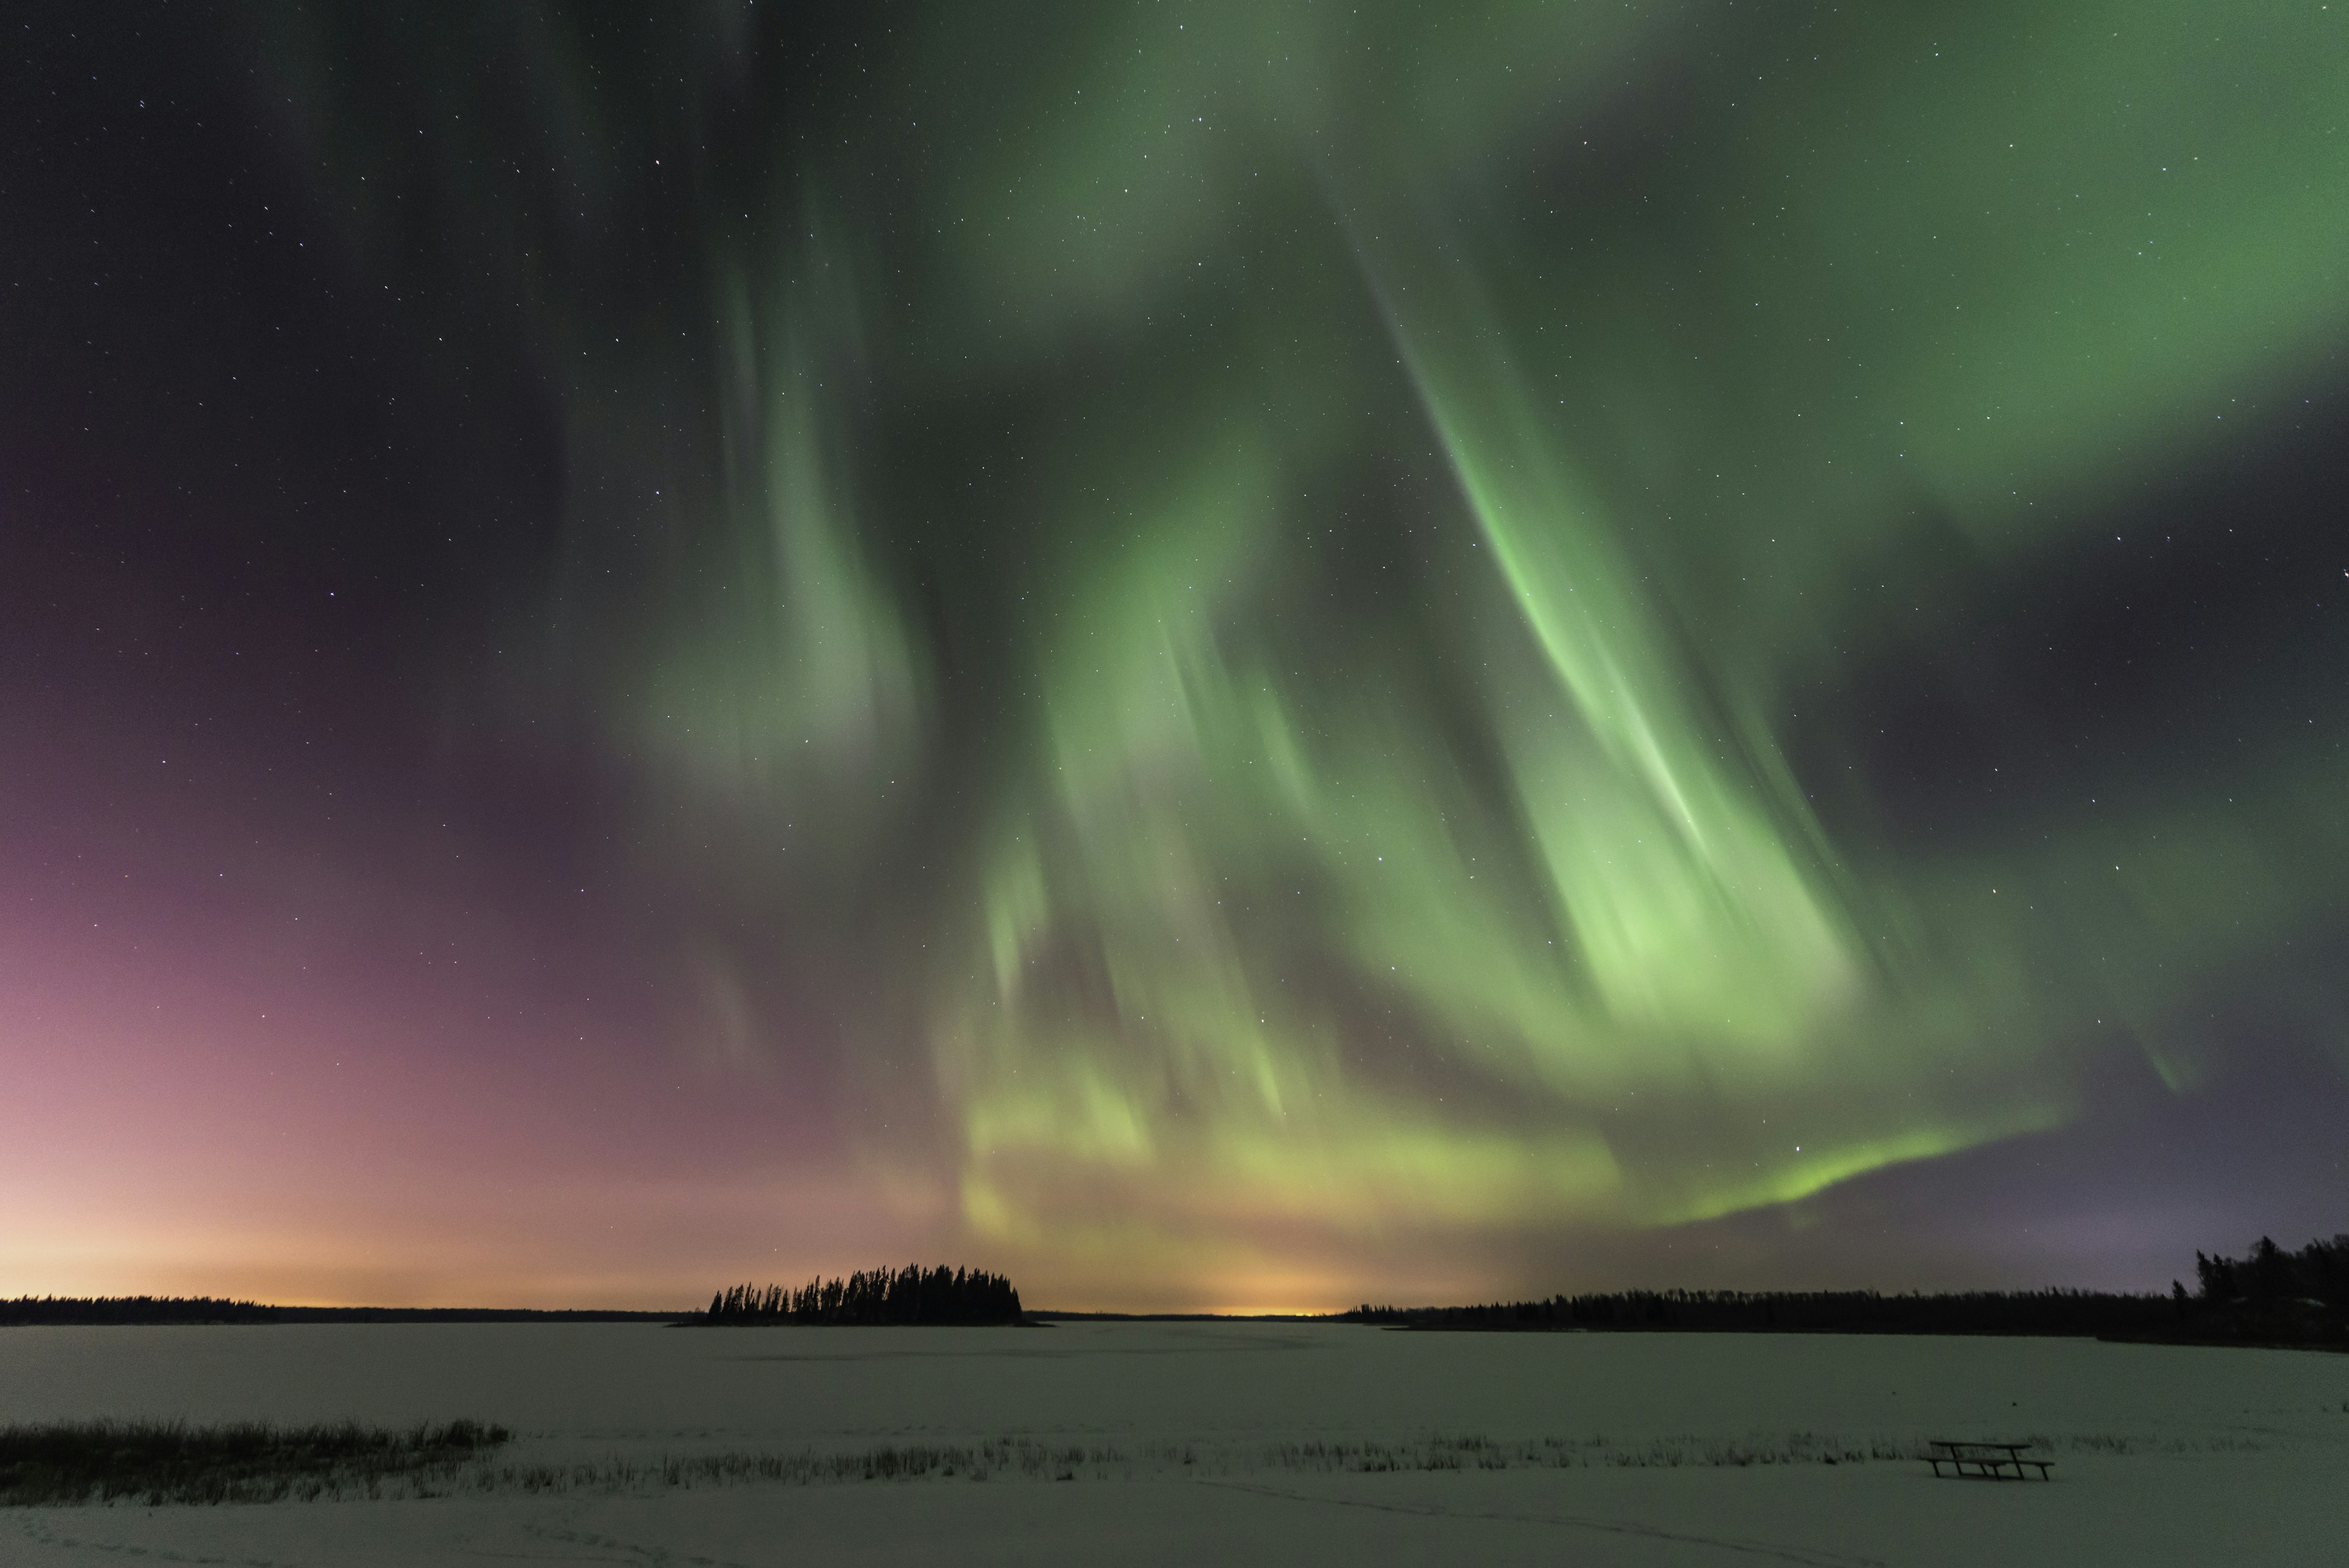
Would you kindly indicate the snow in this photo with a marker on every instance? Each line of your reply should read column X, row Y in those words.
column 1231, row 1442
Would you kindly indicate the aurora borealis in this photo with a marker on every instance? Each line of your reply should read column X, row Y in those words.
column 1223, row 654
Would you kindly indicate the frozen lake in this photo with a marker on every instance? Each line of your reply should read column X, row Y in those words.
column 1232, row 1441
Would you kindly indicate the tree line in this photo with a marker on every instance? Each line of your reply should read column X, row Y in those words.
column 880, row 1296
column 2269, row 1296
column 104, row 1310
column 2051, row 1312
column 26, row 1312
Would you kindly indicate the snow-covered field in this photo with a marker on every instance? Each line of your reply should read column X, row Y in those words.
column 1188, row 1443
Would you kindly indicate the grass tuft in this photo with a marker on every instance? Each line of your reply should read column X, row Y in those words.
column 159, row 1462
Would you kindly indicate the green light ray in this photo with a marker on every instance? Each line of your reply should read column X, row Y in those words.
column 1277, row 551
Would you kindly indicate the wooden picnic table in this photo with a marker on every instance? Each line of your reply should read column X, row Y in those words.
column 1985, row 1460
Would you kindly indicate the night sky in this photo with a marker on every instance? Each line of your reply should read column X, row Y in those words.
column 1238, row 654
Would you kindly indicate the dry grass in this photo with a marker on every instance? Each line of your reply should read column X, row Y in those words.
column 1018, row 1458
column 107, row 1462
column 158, row 1462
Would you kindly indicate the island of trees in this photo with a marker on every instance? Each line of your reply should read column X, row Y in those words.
column 910, row 1295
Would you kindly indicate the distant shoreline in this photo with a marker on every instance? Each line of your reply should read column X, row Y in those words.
column 1190, row 1317
column 43, row 1312
column 2271, row 1298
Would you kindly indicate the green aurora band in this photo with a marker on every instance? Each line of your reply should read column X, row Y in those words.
column 1280, row 581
